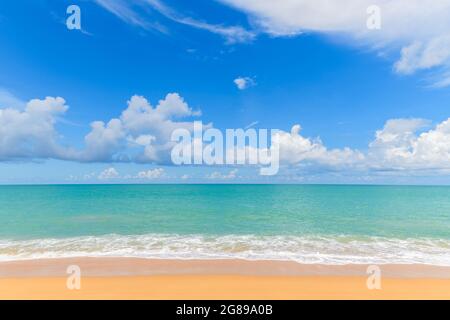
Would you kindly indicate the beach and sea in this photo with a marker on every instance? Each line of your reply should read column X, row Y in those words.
column 224, row 241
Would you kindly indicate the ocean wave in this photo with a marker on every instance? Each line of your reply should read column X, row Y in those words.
column 308, row 249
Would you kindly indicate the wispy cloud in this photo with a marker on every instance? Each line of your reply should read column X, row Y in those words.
column 123, row 11
column 127, row 11
column 251, row 125
column 231, row 33
column 62, row 20
column 417, row 29
column 9, row 100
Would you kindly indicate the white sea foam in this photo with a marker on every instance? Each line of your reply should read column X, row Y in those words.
column 308, row 249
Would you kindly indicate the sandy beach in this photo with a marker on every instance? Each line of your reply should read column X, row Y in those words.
column 130, row 278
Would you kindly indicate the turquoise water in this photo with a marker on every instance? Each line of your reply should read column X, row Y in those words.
column 328, row 224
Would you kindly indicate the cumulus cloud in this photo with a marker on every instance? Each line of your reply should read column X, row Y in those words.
column 142, row 134
column 401, row 146
column 151, row 174
column 108, row 174
column 243, row 83
column 142, row 127
column 216, row 175
column 31, row 133
column 151, row 128
column 418, row 28
column 296, row 149
column 103, row 142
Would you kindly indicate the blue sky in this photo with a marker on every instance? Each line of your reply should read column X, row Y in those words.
column 339, row 86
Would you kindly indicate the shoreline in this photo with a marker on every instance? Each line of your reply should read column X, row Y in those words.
column 136, row 279
column 125, row 266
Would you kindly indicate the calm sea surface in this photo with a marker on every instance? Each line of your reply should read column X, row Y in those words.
column 309, row 224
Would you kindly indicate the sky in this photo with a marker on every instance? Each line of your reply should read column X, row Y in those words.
column 359, row 94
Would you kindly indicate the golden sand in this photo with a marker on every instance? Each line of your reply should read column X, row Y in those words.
column 223, row 287
column 127, row 278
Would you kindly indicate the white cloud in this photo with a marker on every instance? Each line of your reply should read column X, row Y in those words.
column 8, row 100
column 151, row 128
column 142, row 134
column 402, row 145
column 399, row 146
column 31, row 133
column 405, row 25
column 89, row 176
column 108, row 174
column 424, row 55
column 128, row 13
column 420, row 28
column 296, row 149
column 251, row 125
column 401, row 19
column 142, row 127
column 151, row 174
column 232, row 34
column 124, row 11
column 243, row 83
column 216, row 175
column 103, row 142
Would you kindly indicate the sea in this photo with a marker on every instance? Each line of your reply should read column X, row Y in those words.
column 310, row 224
